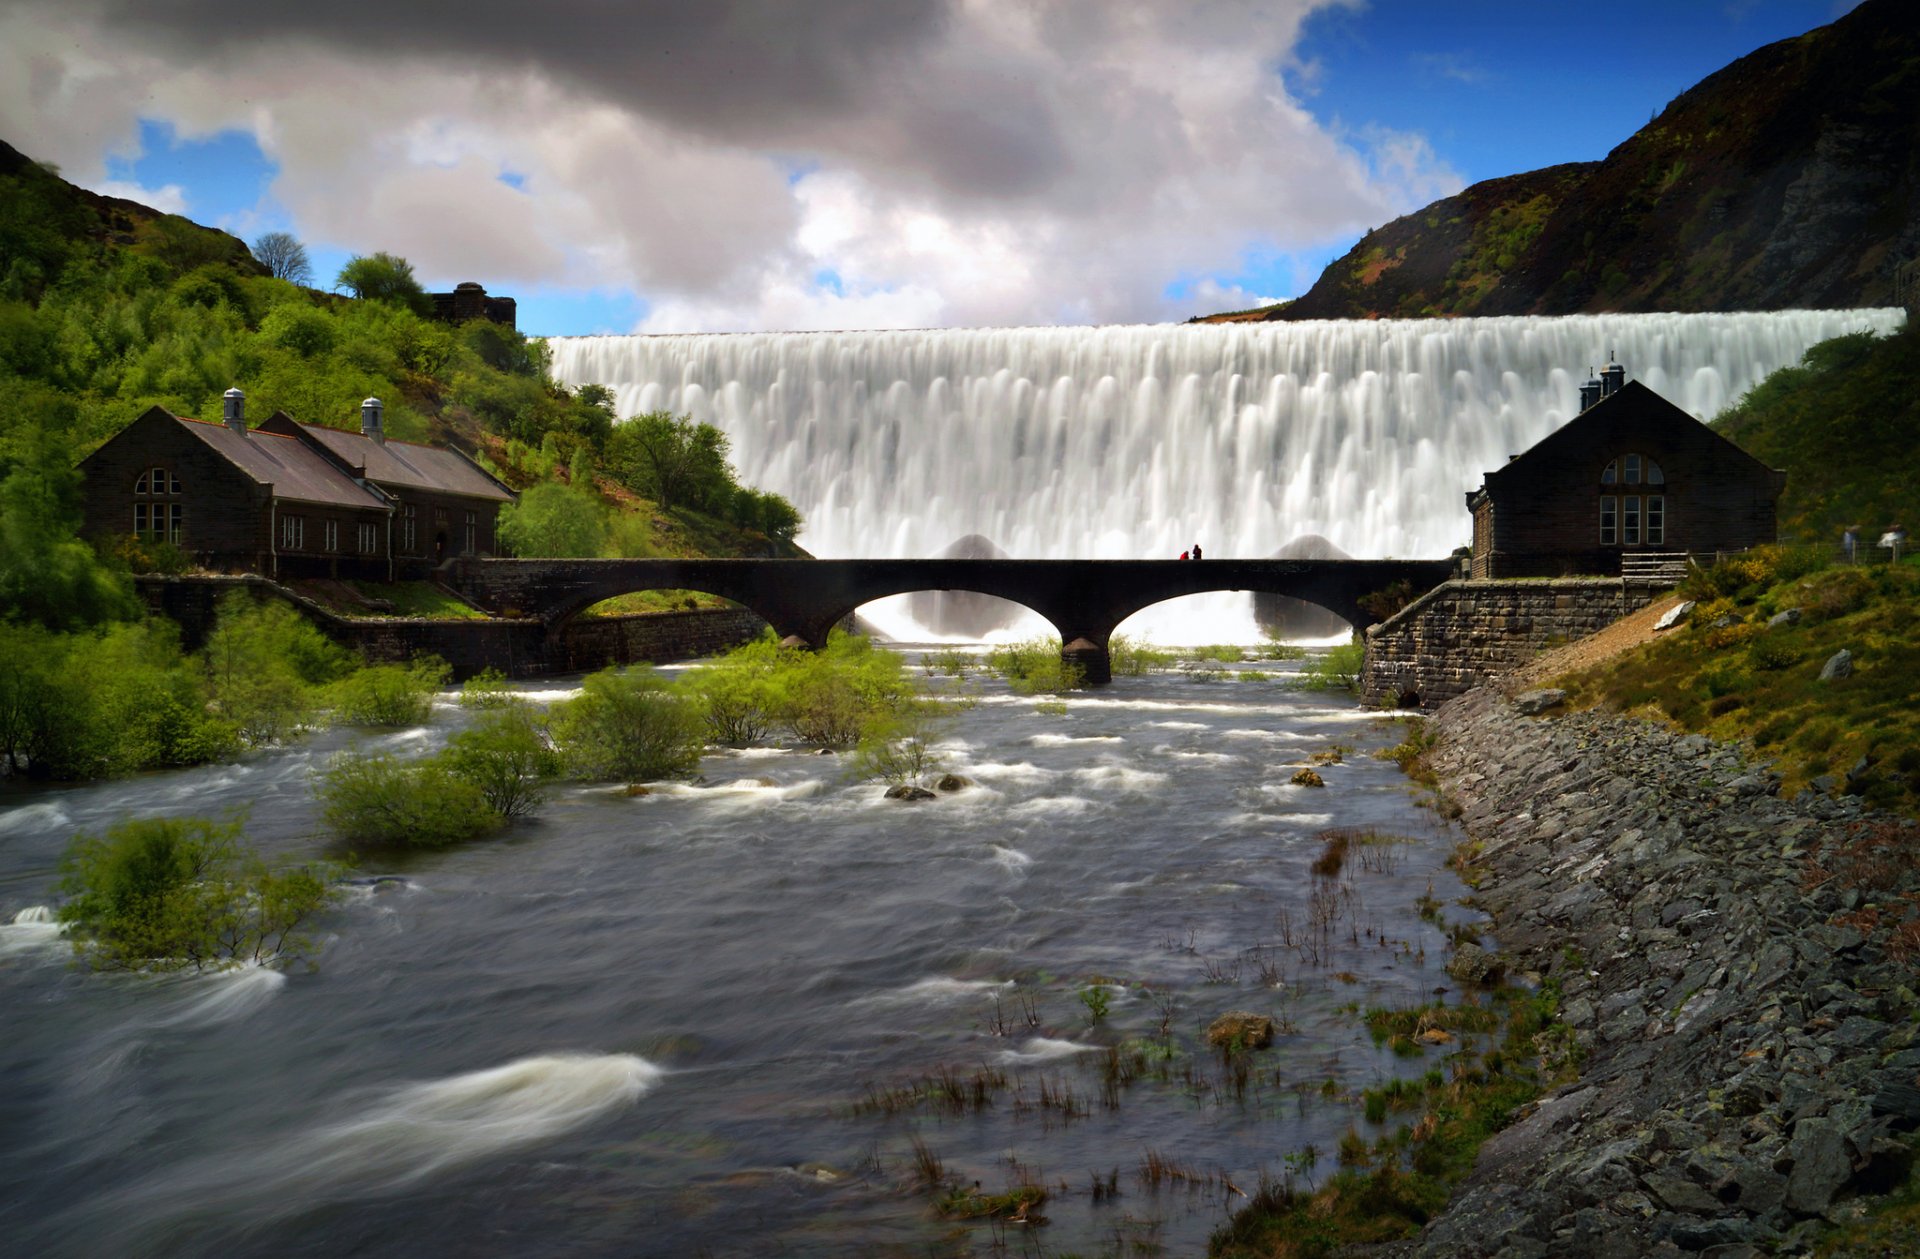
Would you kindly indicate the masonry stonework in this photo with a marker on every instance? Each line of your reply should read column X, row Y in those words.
column 1464, row 632
column 517, row 647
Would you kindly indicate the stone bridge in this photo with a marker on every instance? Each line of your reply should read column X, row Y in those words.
column 1083, row 599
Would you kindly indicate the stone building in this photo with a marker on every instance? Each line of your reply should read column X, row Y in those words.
column 470, row 301
column 288, row 499
column 1631, row 476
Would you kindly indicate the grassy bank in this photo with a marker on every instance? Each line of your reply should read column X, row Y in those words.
column 1747, row 668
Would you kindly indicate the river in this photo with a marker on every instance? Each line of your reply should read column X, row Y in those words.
column 689, row 1022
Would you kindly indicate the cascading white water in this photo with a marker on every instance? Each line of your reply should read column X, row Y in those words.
column 1123, row 442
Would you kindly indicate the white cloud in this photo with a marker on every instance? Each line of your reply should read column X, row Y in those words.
column 999, row 162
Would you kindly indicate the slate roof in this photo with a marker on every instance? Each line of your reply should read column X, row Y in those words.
column 286, row 463
column 410, row 464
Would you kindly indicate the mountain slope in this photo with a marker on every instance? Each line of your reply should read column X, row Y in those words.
column 1787, row 179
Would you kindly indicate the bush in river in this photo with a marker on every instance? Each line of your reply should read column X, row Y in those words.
column 174, row 893
column 899, row 750
column 833, row 697
column 1034, row 667
column 390, row 695
column 506, row 755
column 1336, row 669
column 416, row 804
column 627, row 726
column 740, row 695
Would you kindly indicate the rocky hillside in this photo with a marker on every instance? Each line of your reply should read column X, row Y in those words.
column 1788, row 179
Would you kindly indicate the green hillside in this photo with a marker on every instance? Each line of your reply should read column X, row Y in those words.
column 108, row 307
column 1843, row 425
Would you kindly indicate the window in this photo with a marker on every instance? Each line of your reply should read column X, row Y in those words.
column 408, row 523
column 369, row 539
column 157, row 521
column 157, row 482
column 330, row 536
column 293, row 533
column 1621, row 522
column 473, row 532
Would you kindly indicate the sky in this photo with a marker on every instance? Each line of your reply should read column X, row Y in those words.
column 661, row 166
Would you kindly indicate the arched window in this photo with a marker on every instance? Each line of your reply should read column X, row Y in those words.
column 158, row 513
column 1634, row 518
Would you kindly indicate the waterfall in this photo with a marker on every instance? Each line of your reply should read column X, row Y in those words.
column 1124, row 442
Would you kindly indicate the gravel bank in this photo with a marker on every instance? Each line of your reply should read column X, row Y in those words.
column 1750, row 1051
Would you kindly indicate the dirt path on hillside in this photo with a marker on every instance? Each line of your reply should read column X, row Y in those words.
column 1622, row 636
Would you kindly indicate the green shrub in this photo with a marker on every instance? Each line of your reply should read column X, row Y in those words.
column 898, row 750
column 265, row 665
column 506, row 755
column 627, row 726
column 488, row 689
column 1131, row 659
column 390, row 695
column 1035, row 667
column 1771, row 651
column 834, row 696
column 413, row 804
column 1337, row 668
column 739, row 696
column 173, row 893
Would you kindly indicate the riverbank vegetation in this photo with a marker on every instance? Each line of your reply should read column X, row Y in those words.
column 1752, row 665
column 160, row 894
column 627, row 725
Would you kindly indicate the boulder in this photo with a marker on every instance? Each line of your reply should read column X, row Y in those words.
column 953, row 782
column 1471, row 964
column 1674, row 615
column 907, row 791
column 1239, row 1029
column 1533, row 703
column 1821, row 1165
column 1839, row 665
column 1783, row 620
column 638, row 789
column 1307, row 778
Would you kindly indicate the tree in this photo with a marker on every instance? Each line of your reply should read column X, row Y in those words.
column 48, row 575
column 552, row 521
column 384, row 277
column 672, row 459
column 284, row 257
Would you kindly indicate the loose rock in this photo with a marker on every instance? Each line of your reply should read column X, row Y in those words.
column 1533, row 703
column 1307, row 778
column 1239, row 1029
column 906, row 791
column 1839, row 665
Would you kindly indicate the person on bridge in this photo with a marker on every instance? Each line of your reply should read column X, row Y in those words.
column 1183, row 555
column 1196, row 550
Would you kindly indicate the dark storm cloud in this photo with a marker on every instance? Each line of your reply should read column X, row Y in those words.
column 865, row 79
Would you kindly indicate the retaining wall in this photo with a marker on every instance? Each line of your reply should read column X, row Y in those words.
column 518, row 647
column 1463, row 632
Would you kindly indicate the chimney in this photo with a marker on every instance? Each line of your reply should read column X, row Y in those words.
column 1590, row 392
column 1615, row 378
column 370, row 420
column 236, row 410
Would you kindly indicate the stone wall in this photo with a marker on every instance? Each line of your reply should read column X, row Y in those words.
column 518, row 647
column 1463, row 632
